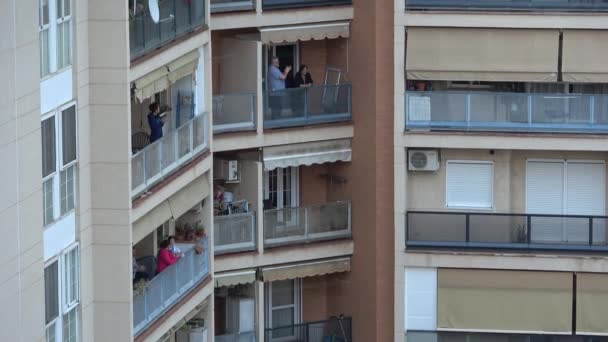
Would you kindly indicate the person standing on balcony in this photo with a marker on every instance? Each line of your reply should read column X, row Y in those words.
column 155, row 122
column 303, row 78
column 276, row 84
column 139, row 271
column 165, row 257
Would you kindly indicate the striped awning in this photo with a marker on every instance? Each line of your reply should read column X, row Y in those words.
column 294, row 33
column 317, row 152
column 234, row 278
column 307, row 269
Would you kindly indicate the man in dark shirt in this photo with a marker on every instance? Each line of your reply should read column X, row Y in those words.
column 155, row 122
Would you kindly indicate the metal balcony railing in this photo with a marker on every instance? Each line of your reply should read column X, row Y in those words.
column 168, row 287
column 307, row 224
column 337, row 329
column 176, row 18
column 522, row 112
column 307, row 106
column 277, row 4
column 506, row 231
column 167, row 154
column 508, row 5
column 234, row 233
column 231, row 5
column 234, row 112
column 239, row 337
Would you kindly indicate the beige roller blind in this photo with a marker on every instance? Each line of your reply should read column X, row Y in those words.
column 234, row 278
column 308, row 269
column 465, row 54
column 592, row 304
column 280, row 34
column 504, row 301
column 584, row 54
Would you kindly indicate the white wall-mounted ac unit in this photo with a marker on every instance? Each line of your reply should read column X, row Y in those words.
column 227, row 170
column 423, row 160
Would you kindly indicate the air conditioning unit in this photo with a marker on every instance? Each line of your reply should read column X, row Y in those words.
column 423, row 160
column 227, row 170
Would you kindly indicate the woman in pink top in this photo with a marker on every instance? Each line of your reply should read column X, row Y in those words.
column 165, row 257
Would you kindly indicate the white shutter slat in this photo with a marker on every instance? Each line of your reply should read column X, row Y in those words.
column 545, row 195
column 585, row 195
column 469, row 184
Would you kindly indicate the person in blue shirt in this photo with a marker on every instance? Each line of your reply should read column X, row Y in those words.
column 276, row 85
column 155, row 122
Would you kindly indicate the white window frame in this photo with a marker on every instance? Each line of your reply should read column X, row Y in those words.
column 297, row 306
column 58, row 21
column 52, row 28
column 55, row 177
column 295, row 190
column 64, row 307
column 461, row 207
column 41, row 28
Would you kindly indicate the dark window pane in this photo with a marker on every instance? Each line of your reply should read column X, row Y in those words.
column 48, row 146
column 51, row 291
column 68, row 134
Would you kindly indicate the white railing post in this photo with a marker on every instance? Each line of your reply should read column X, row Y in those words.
column 529, row 110
column 143, row 165
column 468, row 109
column 306, row 223
column 592, row 109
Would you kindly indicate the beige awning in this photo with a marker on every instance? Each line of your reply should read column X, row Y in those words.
column 293, row 33
column 584, row 56
column 234, row 278
column 504, row 301
column 467, row 54
column 591, row 304
column 318, row 152
column 309, row 269
column 175, row 206
column 161, row 78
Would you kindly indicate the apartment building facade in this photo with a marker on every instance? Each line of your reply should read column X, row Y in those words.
column 500, row 176
column 273, row 173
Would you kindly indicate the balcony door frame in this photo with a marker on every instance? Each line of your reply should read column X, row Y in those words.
column 270, row 50
column 297, row 306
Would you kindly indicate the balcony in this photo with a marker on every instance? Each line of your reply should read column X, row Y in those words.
column 164, row 156
column 506, row 231
column 307, row 106
column 337, row 329
column 176, row 18
column 425, row 336
column 508, row 5
column 514, row 112
column 234, row 233
column 169, row 287
column 231, row 5
column 234, row 112
column 320, row 222
column 279, row 4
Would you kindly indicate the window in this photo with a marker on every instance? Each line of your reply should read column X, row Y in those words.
column 43, row 27
column 59, row 169
column 470, row 184
column 281, row 188
column 55, row 29
column 64, row 34
column 61, row 280
column 565, row 187
column 421, row 298
column 283, row 308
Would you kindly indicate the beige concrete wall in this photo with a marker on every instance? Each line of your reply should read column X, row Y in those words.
column 237, row 64
column 314, row 299
column 21, row 259
column 427, row 190
column 104, row 136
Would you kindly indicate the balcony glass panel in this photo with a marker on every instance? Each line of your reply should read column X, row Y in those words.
column 231, row 5
column 307, row 106
column 176, row 17
column 433, row 336
column 234, row 112
column 168, row 287
column 506, row 231
column 234, row 233
column 306, row 224
column 334, row 329
column 521, row 112
column 272, row 4
column 162, row 157
column 565, row 5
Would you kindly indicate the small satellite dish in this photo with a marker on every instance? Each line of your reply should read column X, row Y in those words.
column 154, row 11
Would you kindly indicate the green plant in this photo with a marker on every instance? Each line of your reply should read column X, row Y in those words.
column 139, row 287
